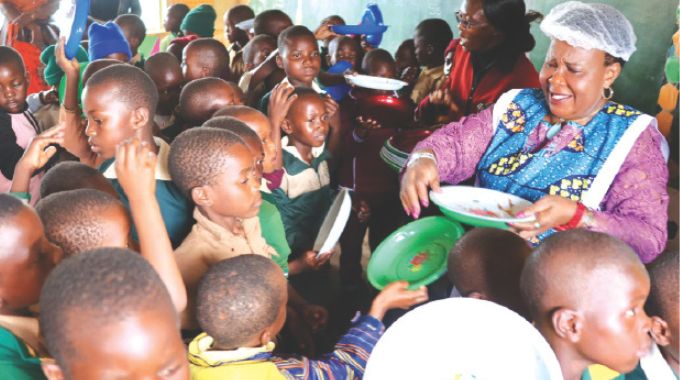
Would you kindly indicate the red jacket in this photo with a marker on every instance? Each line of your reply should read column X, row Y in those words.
column 492, row 85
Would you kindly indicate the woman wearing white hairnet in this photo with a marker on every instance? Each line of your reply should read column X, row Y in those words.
column 586, row 161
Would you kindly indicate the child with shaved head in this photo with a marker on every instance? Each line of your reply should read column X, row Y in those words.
column 586, row 293
column 201, row 98
column 72, row 175
column 107, row 312
column 166, row 73
column 205, row 57
column 241, row 307
column 135, row 31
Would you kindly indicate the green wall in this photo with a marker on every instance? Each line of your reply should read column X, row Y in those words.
column 638, row 86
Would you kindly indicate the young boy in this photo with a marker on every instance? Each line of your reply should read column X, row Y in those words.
column 134, row 31
column 201, row 98
column 26, row 257
column 119, row 102
column 72, row 175
column 174, row 15
column 200, row 21
column 237, row 37
column 17, row 125
column 205, row 57
column 84, row 219
column 255, row 52
column 107, row 312
column 219, row 174
column 165, row 71
column 431, row 38
column 324, row 34
column 304, row 195
column 238, row 344
column 108, row 41
column 486, row 263
column 586, row 293
column 344, row 48
column 271, row 22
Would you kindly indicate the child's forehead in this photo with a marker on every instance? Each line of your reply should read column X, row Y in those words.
column 308, row 102
column 297, row 41
column 14, row 67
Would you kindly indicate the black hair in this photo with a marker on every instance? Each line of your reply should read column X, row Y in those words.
column 610, row 60
column 238, row 298
column 376, row 56
column 586, row 250
column 9, row 55
column 249, row 49
column 70, row 175
column 135, row 24
column 664, row 277
column 233, row 126
column 435, row 32
column 241, row 12
column 195, row 103
column 218, row 62
column 97, row 288
column 73, row 218
column 10, row 206
column 333, row 17
column 182, row 8
column 130, row 85
column 490, row 260
column 98, row 64
column 261, row 24
column 511, row 18
column 237, row 110
column 290, row 33
column 160, row 60
column 198, row 155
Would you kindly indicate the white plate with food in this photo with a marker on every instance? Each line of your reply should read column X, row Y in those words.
column 375, row 83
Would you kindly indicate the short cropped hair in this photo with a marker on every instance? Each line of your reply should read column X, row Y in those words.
column 261, row 24
column 218, row 62
column 198, row 155
column 130, row 84
column 585, row 251
column 10, row 206
column 249, row 49
column 290, row 33
column 72, row 218
column 134, row 23
column 240, row 13
column 195, row 101
column 71, row 175
column 9, row 55
column 436, row 32
column 233, row 126
column 102, row 286
column 238, row 298
column 376, row 56
column 663, row 296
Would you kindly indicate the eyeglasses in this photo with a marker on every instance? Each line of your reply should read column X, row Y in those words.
column 464, row 20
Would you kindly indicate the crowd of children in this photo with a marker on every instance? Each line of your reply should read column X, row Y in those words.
column 217, row 165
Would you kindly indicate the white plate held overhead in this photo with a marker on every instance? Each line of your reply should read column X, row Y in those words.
column 375, row 83
column 334, row 223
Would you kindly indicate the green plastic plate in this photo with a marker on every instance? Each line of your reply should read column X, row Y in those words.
column 417, row 253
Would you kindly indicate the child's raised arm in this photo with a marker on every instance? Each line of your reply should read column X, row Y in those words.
column 396, row 296
column 135, row 169
column 36, row 155
column 279, row 104
column 75, row 140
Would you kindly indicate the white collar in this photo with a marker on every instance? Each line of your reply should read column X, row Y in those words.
column 316, row 151
column 315, row 86
column 162, row 171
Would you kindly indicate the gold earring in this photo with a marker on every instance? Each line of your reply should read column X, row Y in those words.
column 608, row 93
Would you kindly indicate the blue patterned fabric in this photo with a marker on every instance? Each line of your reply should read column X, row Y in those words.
column 523, row 161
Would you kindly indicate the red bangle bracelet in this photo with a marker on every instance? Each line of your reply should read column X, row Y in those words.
column 575, row 220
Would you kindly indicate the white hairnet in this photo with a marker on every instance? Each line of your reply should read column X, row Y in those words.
column 591, row 26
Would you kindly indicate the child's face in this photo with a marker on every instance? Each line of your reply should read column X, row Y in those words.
column 382, row 69
column 194, row 62
column 13, row 85
column 300, row 60
column 262, row 51
column 615, row 329
column 347, row 50
column 236, row 191
column 406, row 57
column 26, row 258
column 423, row 49
column 144, row 345
column 172, row 20
column 260, row 124
column 309, row 119
column 109, row 121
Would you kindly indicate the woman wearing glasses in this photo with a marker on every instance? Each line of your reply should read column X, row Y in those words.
column 586, row 161
column 487, row 60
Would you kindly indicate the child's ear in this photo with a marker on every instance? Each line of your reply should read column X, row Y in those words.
column 287, row 126
column 568, row 324
column 201, row 196
column 140, row 117
column 660, row 331
column 279, row 61
column 51, row 370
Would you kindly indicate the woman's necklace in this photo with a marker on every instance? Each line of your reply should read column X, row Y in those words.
column 555, row 128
